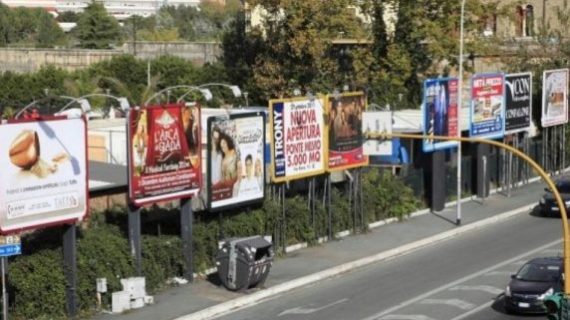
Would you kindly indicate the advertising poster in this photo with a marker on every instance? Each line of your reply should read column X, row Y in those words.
column 375, row 122
column 518, row 96
column 236, row 152
column 487, row 106
column 44, row 173
column 439, row 112
column 554, row 97
column 297, row 132
column 345, row 139
column 164, row 153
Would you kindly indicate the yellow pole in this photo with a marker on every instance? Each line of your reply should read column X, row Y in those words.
column 536, row 167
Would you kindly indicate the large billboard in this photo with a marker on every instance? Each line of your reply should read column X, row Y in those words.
column 297, row 138
column 44, row 173
column 439, row 112
column 554, row 97
column 164, row 153
column 344, row 131
column 236, row 153
column 487, row 106
column 518, row 96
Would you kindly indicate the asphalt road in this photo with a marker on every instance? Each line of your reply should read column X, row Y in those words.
column 462, row 278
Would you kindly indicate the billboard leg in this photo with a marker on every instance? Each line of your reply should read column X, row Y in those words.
column 186, row 225
column 329, row 209
column 283, row 221
column 135, row 237
column 70, row 269
column 4, row 293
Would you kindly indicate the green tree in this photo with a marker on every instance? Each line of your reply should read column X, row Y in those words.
column 299, row 45
column 96, row 29
column 49, row 32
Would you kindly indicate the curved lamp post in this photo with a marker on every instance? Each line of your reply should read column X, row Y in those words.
column 86, row 107
column 235, row 89
column 33, row 103
column 205, row 92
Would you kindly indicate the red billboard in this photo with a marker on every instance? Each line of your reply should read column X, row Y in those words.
column 164, row 153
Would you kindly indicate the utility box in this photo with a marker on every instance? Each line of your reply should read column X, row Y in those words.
column 244, row 263
column 121, row 301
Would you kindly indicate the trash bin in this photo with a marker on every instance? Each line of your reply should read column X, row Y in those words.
column 244, row 263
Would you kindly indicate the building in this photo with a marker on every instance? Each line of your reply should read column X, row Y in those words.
column 522, row 20
column 122, row 9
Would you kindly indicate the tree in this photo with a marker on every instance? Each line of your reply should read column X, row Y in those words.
column 96, row 29
column 49, row 32
column 298, row 45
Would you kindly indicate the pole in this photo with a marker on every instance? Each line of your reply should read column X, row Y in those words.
column 186, row 226
column 70, row 269
column 135, row 236
column 460, row 105
column 4, row 294
column 329, row 209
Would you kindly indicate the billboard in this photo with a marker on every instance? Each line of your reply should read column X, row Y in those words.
column 554, row 97
column 236, row 153
column 44, row 173
column 487, row 106
column 377, row 122
column 344, row 131
column 439, row 112
column 164, row 152
column 297, row 138
column 518, row 99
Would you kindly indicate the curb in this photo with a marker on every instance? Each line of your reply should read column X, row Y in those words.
column 245, row 301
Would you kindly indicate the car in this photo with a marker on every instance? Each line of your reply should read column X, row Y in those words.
column 547, row 203
column 536, row 279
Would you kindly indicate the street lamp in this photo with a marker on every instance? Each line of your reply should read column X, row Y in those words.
column 86, row 106
column 205, row 92
column 460, row 106
column 33, row 103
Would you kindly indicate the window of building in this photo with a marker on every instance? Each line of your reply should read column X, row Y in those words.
column 525, row 21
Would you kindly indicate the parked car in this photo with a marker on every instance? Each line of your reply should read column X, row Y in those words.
column 547, row 202
column 535, row 280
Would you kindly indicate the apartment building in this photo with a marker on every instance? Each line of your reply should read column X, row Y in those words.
column 122, row 9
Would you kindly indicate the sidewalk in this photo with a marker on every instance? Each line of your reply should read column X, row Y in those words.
column 203, row 299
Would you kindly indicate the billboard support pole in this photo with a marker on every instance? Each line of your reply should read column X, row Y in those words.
column 329, row 209
column 283, row 220
column 361, row 198
column 70, row 269
column 186, row 225
column 4, row 294
column 135, row 236
column 563, row 147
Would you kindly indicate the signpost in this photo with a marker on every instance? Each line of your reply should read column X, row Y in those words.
column 9, row 246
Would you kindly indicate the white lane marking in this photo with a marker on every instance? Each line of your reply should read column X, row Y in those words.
column 458, row 282
column 300, row 310
column 474, row 311
column 499, row 273
column 406, row 317
column 489, row 289
column 461, row 304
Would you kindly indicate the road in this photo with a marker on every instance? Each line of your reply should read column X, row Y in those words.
column 462, row 278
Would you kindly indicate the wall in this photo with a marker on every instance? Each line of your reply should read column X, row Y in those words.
column 30, row 59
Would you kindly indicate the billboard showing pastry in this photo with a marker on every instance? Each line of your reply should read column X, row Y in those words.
column 44, row 173
column 554, row 97
column 297, row 132
column 164, row 153
column 345, row 138
column 236, row 153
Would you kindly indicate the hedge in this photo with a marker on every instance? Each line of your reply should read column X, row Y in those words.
column 36, row 279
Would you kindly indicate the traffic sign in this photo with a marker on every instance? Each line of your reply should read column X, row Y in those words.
column 10, row 250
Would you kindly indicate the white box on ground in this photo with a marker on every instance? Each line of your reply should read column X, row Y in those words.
column 149, row 299
column 137, row 303
column 135, row 286
column 121, row 301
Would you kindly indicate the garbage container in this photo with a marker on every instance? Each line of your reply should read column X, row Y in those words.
column 244, row 263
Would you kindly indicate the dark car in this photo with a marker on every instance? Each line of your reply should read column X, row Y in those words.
column 547, row 203
column 534, row 281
